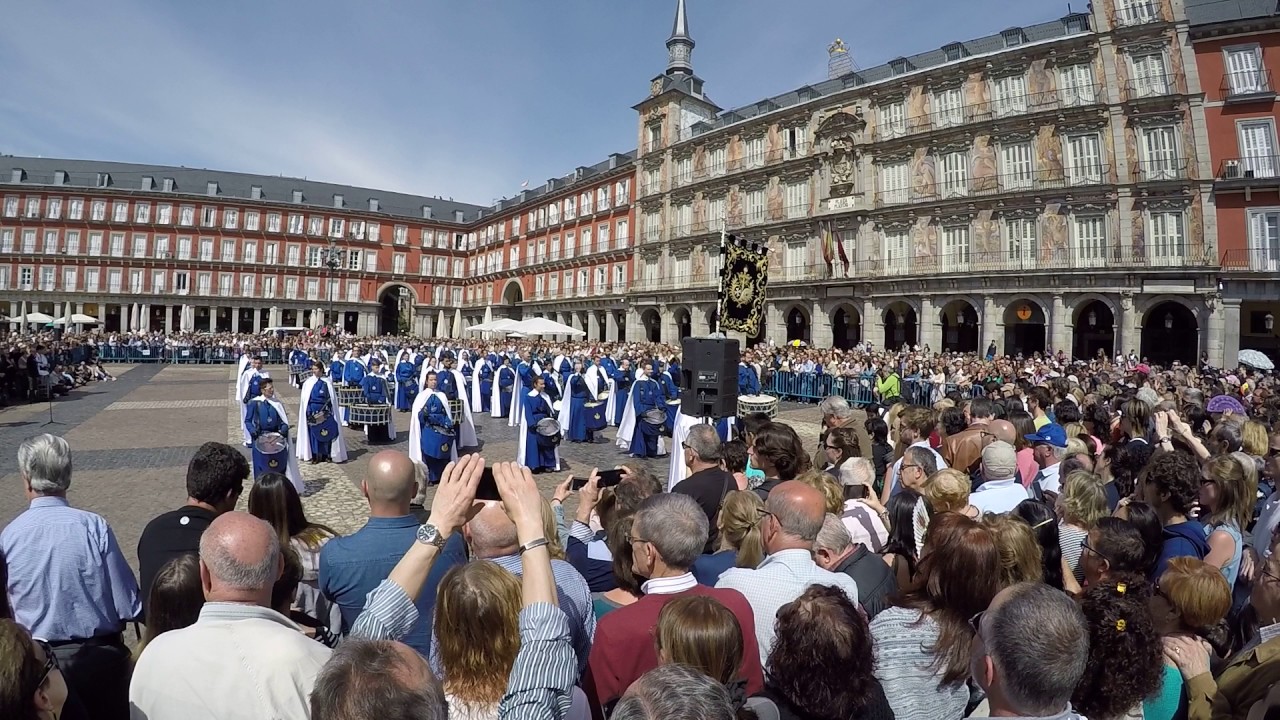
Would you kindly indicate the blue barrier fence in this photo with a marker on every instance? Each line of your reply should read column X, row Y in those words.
column 859, row 390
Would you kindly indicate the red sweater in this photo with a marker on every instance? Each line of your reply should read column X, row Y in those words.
column 624, row 648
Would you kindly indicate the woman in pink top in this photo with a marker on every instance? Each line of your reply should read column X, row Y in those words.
column 1025, row 425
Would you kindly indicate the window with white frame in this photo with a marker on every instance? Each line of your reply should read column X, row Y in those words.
column 11, row 206
column 336, row 227
column 164, row 214
column 26, row 278
column 50, row 242
column 442, row 266
column 95, row 244
column 33, row 208
column 948, row 107
column 797, row 198
column 682, row 219
column 1168, row 241
column 619, row 278
column 553, row 213
column 622, row 192
column 794, row 261
column 397, row 263
column 247, row 281
column 584, row 279
column 623, row 238
column 72, row 246
column 1075, row 85
column 160, row 247
column 313, row 288
column 1148, row 75
column 293, row 255
column 186, row 216
column 1257, row 148
column 115, row 280
column 796, row 142
column 1264, row 240
column 896, row 251
column 228, row 251
column 1020, row 242
column 754, row 206
column 291, row 288
column 1136, row 12
column 75, row 209
column 5, row 271
column 135, row 282
column 49, row 279
column 602, row 278
column 226, row 284
column 651, row 182
column 353, row 291
column 273, row 222
column 157, row 281
column 1244, row 69
column 53, row 208
column 230, row 219
column 68, row 279
column 139, row 246
column 141, row 212
column 955, row 248
column 753, row 152
column 91, row 279
column 1009, row 95
column 250, row 251
column 374, row 232
column 270, row 253
column 553, row 284
column 120, row 211
column 252, row 221
column 684, row 171
column 424, row 265
column 98, row 211
column 602, row 203
column 117, row 244
column 6, row 240
column 269, row 286
column 651, row 226
column 570, row 208
column 208, row 216
column 204, row 282
column 1084, row 159
column 1089, row 240
column 1017, row 168
column 955, row 174
column 206, row 249
column 29, row 241
column 895, row 179
column 893, row 120
column 716, row 161
column 315, row 256
column 1159, row 149
column 568, row 282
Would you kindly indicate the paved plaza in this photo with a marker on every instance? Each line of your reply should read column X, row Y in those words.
column 132, row 440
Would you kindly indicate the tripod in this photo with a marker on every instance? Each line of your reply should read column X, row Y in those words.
column 57, row 348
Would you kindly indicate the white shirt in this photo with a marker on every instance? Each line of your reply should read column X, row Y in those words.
column 998, row 496
column 1268, row 518
column 1049, row 478
column 669, row 585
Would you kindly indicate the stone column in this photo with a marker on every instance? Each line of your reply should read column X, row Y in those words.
column 634, row 330
column 146, row 317
column 670, row 332
column 213, row 318
column 872, row 325
column 820, row 326
column 698, row 324
column 1127, row 337
column 992, row 328
column 168, row 320
column 1058, row 325
column 1222, row 337
column 235, row 319
column 775, row 326
column 930, row 329
column 611, row 326
column 257, row 320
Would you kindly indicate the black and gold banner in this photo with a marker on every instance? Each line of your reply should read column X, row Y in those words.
column 743, row 281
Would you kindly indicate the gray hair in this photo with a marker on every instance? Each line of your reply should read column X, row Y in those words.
column 704, row 441
column 923, row 457
column 792, row 517
column 216, row 555
column 834, row 537
column 676, row 525
column 1039, row 642
column 674, row 692
column 835, row 406
column 364, row 680
column 857, row 471
column 45, row 462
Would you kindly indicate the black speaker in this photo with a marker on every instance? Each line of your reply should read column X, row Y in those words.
column 709, row 377
column 57, row 333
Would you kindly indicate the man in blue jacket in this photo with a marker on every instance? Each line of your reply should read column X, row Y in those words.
column 1171, row 485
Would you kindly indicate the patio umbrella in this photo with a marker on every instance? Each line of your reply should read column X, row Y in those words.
column 38, row 318
column 545, row 326
column 76, row 319
column 1255, row 359
column 442, row 330
column 457, row 323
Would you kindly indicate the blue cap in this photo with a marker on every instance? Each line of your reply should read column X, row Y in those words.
column 1051, row 434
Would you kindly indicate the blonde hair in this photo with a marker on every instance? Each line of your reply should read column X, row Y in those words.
column 947, row 490
column 1083, row 499
column 891, row 419
column 698, row 631
column 477, row 630
column 1197, row 592
column 739, row 525
column 1254, row 438
column 832, row 493
column 1235, row 491
column 551, row 531
column 1021, row 558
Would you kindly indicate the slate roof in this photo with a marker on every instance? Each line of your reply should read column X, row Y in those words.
column 1212, row 12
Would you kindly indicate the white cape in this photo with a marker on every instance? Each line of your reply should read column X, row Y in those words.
column 338, row 451
column 515, row 415
column 627, row 428
column 476, row 403
column 524, row 430
column 291, row 470
column 466, row 427
column 680, row 432
column 495, row 394
column 415, row 428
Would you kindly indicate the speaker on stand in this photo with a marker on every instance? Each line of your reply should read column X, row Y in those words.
column 709, row 377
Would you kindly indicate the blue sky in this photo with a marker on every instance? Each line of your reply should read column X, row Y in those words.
column 457, row 98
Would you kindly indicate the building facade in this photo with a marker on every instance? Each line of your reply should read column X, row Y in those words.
column 1057, row 186
column 1237, row 49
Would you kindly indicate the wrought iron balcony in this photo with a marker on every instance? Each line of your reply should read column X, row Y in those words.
column 1163, row 169
column 1247, row 86
column 1072, row 176
column 1260, row 258
column 1242, row 171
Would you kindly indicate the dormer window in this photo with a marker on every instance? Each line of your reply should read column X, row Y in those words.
column 337, row 202
column 255, row 192
column 373, row 204
column 18, row 175
column 167, row 184
column 900, row 66
column 60, row 177
column 1013, row 37
column 297, row 196
column 211, row 188
column 104, row 180
column 955, row 51
column 148, row 182
column 1076, row 22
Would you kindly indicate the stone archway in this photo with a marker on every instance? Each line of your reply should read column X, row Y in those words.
column 513, row 299
column 1093, row 330
column 395, row 309
column 683, row 322
column 961, row 327
column 901, row 326
column 652, row 323
column 1170, row 331
column 1025, row 328
column 797, row 321
column 846, row 326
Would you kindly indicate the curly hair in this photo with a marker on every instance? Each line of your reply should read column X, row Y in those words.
column 1125, row 652
column 1127, row 461
column 822, row 661
column 779, row 445
column 1177, row 474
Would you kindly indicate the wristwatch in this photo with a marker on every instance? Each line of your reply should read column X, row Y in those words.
column 429, row 534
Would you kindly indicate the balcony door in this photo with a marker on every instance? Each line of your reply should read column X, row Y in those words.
column 1258, row 148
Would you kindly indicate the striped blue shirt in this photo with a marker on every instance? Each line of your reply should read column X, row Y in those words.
column 67, row 577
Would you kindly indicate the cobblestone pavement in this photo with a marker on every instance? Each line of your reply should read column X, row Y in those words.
column 132, row 440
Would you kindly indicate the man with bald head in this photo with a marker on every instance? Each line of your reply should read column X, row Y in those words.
column 793, row 516
column 352, row 566
column 240, row 659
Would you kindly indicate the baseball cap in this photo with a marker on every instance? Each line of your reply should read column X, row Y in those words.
column 999, row 460
column 1051, row 434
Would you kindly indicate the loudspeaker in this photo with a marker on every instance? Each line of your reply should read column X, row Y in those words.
column 709, row 377
column 57, row 333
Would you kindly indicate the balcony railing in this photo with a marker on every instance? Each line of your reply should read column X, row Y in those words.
column 1247, row 86
column 1263, row 258
column 1138, row 13
column 1163, row 169
column 1150, row 86
column 1243, row 170
column 1073, row 176
column 1077, row 96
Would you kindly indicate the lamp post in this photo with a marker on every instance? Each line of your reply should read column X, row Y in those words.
column 333, row 258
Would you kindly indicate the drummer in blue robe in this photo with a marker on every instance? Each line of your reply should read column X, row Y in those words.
column 406, row 383
column 486, row 385
column 748, row 382
column 564, row 369
column 670, row 398
column 266, row 414
column 623, row 378
column 319, row 423
column 573, row 410
column 646, row 395
column 298, row 366
column 537, row 452
column 436, row 432
column 353, row 371
column 506, row 377
column 248, row 387
column 550, row 388
column 674, row 370
column 374, row 385
column 447, row 382
column 336, row 368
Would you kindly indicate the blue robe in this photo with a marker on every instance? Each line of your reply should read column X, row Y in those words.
column 748, row 383
column 486, row 388
column 622, row 379
column 298, row 358
column 320, row 437
column 260, row 417
column 674, row 369
column 375, row 393
column 336, row 368
column 435, row 443
column 406, row 386
column 254, row 388
column 536, row 456
column 645, row 395
column 579, row 394
column 565, row 370
column 550, row 388
column 525, row 371
column 353, row 372
column 506, row 386
column 670, row 400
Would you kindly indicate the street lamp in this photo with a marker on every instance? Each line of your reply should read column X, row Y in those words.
column 1093, row 318
column 333, row 258
column 1168, row 321
column 1269, row 322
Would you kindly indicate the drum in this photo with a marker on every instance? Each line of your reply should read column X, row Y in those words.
column 370, row 414
column 317, row 418
column 349, row 395
column 595, row 416
column 654, row 416
column 766, row 404
column 270, row 453
column 299, row 369
column 548, row 432
column 603, row 395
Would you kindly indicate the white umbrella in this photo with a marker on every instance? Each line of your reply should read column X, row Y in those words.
column 38, row 318
column 488, row 314
column 441, row 328
column 544, row 326
column 77, row 319
column 1255, row 359
column 494, row 325
column 457, row 323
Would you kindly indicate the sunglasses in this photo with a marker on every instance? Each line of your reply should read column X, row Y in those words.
column 1273, row 452
column 50, row 663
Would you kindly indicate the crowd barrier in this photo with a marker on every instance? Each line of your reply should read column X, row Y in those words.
column 859, row 390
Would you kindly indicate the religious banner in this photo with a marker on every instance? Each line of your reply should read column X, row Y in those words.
column 744, row 278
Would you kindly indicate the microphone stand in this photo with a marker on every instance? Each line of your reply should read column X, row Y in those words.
column 57, row 348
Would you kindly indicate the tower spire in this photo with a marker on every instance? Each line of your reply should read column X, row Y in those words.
column 680, row 44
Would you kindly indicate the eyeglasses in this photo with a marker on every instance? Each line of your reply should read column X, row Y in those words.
column 907, row 467
column 975, row 622
column 631, row 539
column 50, row 663
column 833, row 447
column 1273, row 452
column 1084, row 544
column 761, row 514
